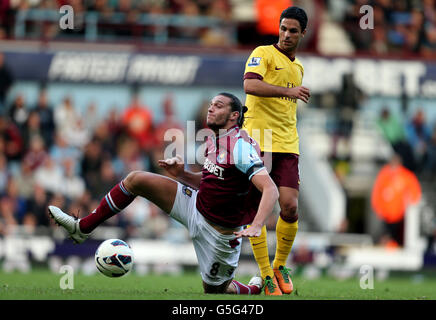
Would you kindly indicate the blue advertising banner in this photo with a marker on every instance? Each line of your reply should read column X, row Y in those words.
column 374, row 76
column 114, row 68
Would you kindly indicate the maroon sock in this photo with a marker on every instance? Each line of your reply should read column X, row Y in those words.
column 115, row 201
column 245, row 289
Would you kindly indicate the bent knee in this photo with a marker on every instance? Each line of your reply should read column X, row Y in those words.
column 135, row 180
column 289, row 211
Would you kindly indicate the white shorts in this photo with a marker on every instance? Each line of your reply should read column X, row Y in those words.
column 217, row 253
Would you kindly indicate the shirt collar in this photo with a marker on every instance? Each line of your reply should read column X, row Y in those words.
column 230, row 130
column 284, row 52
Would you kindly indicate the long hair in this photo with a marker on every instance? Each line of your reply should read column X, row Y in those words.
column 235, row 105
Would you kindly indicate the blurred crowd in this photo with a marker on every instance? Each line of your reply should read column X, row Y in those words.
column 214, row 8
column 399, row 26
column 203, row 7
column 411, row 132
column 54, row 154
column 129, row 25
column 413, row 139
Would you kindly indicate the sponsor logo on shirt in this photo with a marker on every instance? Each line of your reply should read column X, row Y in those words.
column 213, row 168
column 254, row 61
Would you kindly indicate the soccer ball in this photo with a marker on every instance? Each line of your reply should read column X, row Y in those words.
column 114, row 258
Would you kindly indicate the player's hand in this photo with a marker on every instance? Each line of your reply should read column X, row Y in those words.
column 300, row 92
column 173, row 166
column 251, row 231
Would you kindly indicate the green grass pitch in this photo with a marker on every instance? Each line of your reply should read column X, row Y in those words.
column 42, row 284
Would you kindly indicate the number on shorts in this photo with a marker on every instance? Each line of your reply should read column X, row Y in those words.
column 214, row 270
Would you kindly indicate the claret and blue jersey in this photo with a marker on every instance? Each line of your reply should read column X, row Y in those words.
column 231, row 160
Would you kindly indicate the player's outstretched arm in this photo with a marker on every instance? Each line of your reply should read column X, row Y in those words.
column 270, row 194
column 175, row 167
column 261, row 88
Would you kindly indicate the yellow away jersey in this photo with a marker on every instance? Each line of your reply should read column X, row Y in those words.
column 276, row 114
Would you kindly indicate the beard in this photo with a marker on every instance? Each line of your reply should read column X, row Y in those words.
column 218, row 124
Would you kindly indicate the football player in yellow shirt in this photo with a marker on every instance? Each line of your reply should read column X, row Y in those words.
column 272, row 82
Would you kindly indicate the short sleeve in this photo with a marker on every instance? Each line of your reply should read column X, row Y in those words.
column 246, row 158
column 257, row 62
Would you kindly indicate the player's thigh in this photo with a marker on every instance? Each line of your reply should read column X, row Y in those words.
column 217, row 254
column 156, row 188
column 285, row 174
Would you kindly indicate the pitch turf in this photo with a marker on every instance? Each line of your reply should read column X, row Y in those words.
column 43, row 284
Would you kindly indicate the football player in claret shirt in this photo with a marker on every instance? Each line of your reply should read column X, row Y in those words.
column 273, row 83
column 210, row 203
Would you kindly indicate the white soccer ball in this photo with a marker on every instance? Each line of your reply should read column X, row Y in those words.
column 114, row 258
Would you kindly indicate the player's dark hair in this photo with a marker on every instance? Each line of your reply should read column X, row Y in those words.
column 297, row 14
column 235, row 105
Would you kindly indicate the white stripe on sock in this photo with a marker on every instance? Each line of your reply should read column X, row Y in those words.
column 112, row 202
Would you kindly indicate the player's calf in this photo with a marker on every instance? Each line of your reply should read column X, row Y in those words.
column 117, row 199
column 253, row 287
column 235, row 287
